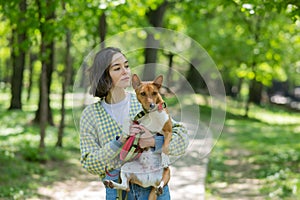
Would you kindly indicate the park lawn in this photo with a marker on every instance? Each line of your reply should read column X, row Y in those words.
column 23, row 169
column 256, row 157
column 264, row 148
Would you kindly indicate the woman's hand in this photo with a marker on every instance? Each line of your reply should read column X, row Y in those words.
column 146, row 138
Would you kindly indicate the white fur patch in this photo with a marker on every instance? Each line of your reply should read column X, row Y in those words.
column 155, row 121
column 147, row 168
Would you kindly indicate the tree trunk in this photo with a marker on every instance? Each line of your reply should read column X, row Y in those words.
column 18, row 57
column 48, row 59
column 102, row 29
column 32, row 59
column 66, row 75
column 195, row 79
column 170, row 70
column 256, row 92
column 152, row 46
column 254, row 87
column 155, row 18
column 49, row 69
column 255, row 95
column 43, row 101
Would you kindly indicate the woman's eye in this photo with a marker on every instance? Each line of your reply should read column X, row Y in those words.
column 127, row 66
column 117, row 69
column 143, row 93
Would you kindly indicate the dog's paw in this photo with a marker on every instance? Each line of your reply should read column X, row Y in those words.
column 165, row 161
column 159, row 190
column 108, row 184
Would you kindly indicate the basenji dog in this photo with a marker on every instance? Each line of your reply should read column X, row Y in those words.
column 156, row 117
column 150, row 169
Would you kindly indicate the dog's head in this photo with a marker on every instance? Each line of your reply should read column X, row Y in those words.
column 147, row 92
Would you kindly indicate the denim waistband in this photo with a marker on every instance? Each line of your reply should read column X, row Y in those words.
column 113, row 175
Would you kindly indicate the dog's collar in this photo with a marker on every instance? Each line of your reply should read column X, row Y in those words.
column 141, row 114
column 161, row 106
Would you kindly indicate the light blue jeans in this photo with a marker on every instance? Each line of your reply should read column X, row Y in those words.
column 137, row 193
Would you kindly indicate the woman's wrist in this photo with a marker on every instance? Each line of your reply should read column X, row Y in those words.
column 121, row 139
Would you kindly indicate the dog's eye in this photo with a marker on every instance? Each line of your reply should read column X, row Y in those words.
column 143, row 93
column 154, row 93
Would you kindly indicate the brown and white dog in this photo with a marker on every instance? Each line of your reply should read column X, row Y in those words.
column 150, row 169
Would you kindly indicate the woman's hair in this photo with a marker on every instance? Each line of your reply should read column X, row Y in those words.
column 100, row 79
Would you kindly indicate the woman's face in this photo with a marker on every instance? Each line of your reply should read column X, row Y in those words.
column 119, row 71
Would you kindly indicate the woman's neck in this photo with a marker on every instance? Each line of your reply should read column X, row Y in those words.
column 115, row 95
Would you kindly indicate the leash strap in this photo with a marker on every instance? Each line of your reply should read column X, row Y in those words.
column 120, row 195
column 134, row 151
column 130, row 149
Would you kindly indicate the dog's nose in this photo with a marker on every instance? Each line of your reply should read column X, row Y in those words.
column 152, row 105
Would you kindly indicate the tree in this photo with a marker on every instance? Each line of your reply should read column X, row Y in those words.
column 19, row 48
column 267, row 49
column 155, row 18
column 65, row 83
column 32, row 58
column 43, row 109
column 47, row 51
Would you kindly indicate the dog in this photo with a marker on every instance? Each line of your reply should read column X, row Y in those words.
column 150, row 169
column 157, row 118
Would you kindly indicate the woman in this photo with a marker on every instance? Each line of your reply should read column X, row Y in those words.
column 103, row 123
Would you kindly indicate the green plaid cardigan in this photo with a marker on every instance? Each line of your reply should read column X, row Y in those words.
column 98, row 144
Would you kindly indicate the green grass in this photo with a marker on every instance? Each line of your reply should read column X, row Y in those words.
column 23, row 167
column 264, row 147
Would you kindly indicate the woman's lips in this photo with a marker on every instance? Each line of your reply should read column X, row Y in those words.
column 125, row 79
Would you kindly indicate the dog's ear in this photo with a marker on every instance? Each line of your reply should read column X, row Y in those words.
column 158, row 81
column 135, row 81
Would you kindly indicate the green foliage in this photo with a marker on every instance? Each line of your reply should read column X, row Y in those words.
column 234, row 32
column 264, row 147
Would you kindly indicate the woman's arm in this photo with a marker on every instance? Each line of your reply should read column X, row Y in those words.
column 94, row 157
column 180, row 139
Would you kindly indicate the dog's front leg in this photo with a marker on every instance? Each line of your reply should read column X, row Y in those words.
column 167, row 129
column 165, row 160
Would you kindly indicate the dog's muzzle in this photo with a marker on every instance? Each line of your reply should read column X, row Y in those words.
column 152, row 106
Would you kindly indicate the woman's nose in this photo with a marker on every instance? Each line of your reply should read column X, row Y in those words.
column 125, row 70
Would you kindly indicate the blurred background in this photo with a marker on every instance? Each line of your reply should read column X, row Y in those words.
column 254, row 45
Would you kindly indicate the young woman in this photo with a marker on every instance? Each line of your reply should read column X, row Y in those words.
column 103, row 123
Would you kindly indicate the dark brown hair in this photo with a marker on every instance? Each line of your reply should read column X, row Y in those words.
column 100, row 79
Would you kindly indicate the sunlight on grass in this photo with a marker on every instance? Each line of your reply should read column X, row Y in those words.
column 22, row 166
column 11, row 131
column 276, row 118
column 264, row 147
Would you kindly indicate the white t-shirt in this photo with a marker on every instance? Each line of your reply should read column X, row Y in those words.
column 119, row 111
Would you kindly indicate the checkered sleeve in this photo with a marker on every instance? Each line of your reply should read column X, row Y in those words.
column 94, row 157
column 180, row 139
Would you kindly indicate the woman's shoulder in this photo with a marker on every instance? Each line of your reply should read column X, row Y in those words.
column 133, row 98
column 91, row 108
